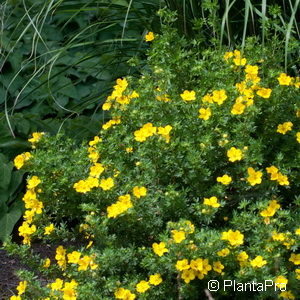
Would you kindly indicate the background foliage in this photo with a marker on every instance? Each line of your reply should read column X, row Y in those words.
column 59, row 58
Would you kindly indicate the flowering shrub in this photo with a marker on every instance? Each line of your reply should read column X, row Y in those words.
column 194, row 178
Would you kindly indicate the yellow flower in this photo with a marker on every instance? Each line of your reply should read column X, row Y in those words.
column 89, row 245
column 125, row 200
column 242, row 257
column 74, row 257
column 139, row 191
column 234, row 154
column 284, row 79
column 188, row 95
column 241, row 86
column 219, row 96
column 122, row 205
column 106, row 106
column 96, row 170
column 14, row 297
column 25, row 230
column 142, row 286
column 159, row 249
column 251, row 70
column 218, row 267
column 235, row 238
column 164, row 98
column 146, row 131
column 93, row 154
column 123, row 100
column 134, row 94
column 22, row 287
column 282, row 179
column 207, row 98
column 240, row 61
column 36, row 136
column 122, row 293
column 81, row 186
column 165, row 132
column 272, row 170
column 204, row 113
column 33, row 182
column 295, row 258
column 225, row 179
column 61, row 256
column 178, row 236
column 188, row 275
column 258, row 262
column 238, row 108
column 278, row 236
column 224, row 252
column 20, row 159
column 49, row 229
column 106, row 184
column 83, row 263
column 200, row 266
column 182, row 265
column 149, row 36
column 155, row 279
column 69, row 290
column 57, row 285
column 254, row 176
column 298, row 137
column 271, row 209
column 287, row 295
column 297, row 231
column 114, row 210
column 129, row 149
column 281, row 282
column 285, row 127
column 47, row 263
column 121, row 84
column 212, row 201
column 264, row 93
column 228, row 55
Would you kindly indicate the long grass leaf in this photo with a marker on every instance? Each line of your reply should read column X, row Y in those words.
column 263, row 12
column 288, row 32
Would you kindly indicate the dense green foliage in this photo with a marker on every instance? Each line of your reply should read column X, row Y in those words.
column 60, row 58
column 58, row 61
column 194, row 178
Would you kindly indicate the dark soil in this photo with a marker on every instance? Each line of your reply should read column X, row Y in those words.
column 8, row 279
column 10, row 264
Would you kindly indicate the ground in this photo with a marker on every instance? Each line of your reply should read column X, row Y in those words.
column 10, row 264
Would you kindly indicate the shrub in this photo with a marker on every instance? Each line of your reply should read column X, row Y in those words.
column 195, row 178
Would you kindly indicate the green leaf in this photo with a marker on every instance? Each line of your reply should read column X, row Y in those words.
column 13, row 143
column 15, row 182
column 5, row 175
column 8, row 221
column 67, row 88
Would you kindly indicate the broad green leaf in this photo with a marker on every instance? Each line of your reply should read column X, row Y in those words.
column 13, row 143
column 15, row 182
column 5, row 175
column 8, row 221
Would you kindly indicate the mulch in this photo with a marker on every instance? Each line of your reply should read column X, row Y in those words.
column 10, row 264
column 8, row 278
